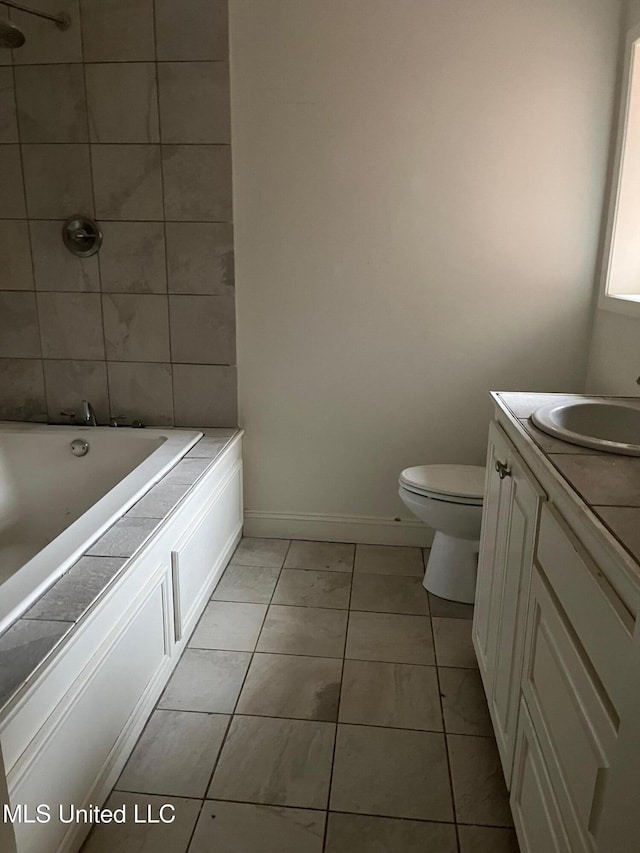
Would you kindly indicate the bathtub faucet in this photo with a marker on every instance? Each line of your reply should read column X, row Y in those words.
column 88, row 415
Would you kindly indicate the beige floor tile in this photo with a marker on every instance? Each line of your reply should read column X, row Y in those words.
column 175, row 754
column 207, row 681
column 392, row 773
column 246, row 583
column 275, row 762
column 390, row 694
column 449, row 609
column 269, row 553
column 389, row 594
column 350, row 833
column 290, row 686
column 389, row 560
column 479, row 790
column 484, row 839
column 390, row 790
column 304, row 631
column 327, row 556
column 229, row 625
column 131, row 837
column 311, row 588
column 453, row 642
column 463, row 702
column 390, row 637
column 243, row 828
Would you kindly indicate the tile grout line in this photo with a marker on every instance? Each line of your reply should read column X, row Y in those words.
column 232, row 715
column 416, row 820
column 27, row 221
column 164, row 216
column 133, row 145
column 444, row 727
column 113, row 218
column 94, row 214
column 122, row 61
column 321, row 607
column 203, row 800
column 233, row 712
column 264, row 619
column 337, row 723
column 317, row 720
column 332, row 657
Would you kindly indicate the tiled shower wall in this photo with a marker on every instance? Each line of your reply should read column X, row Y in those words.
column 125, row 116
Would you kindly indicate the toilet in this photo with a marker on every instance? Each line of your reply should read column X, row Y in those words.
column 448, row 498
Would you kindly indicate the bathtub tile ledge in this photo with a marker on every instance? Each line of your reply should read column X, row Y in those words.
column 159, row 501
column 74, row 593
column 212, row 444
column 23, row 647
column 124, row 538
column 187, row 472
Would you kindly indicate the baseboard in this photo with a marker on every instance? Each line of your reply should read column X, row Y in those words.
column 337, row 528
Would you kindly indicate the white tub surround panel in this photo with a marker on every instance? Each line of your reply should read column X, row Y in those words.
column 556, row 632
column 90, row 658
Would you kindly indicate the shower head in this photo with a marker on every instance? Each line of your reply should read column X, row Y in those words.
column 10, row 35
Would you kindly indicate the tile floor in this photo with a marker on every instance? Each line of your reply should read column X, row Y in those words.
column 325, row 703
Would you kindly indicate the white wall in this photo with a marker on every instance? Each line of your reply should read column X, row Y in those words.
column 418, row 190
column 614, row 357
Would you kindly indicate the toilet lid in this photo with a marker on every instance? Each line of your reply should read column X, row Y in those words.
column 458, row 481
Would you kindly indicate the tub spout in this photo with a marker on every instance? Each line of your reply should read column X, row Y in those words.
column 88, row 415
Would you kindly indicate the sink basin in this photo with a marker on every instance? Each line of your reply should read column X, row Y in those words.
column 600, row 424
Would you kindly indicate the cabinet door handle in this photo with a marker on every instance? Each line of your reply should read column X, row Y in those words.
column 503, row 470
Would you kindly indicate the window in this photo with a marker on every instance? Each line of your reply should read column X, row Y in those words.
column 621, row 270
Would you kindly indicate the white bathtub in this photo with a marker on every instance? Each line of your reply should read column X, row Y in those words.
column 54, row 505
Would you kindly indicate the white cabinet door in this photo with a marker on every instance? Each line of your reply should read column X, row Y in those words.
column 619, row 827
column 535, row 810
column 510, row 520
column 573, row 718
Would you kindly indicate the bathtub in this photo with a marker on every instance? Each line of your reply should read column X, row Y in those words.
column 54, row 505
column 87, row 670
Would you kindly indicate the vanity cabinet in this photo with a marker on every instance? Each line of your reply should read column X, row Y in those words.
column 511, row 509
column 557, row 643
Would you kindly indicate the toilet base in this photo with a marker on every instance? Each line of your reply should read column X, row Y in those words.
column 452, row 568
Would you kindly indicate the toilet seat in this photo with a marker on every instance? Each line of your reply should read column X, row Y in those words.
column 461, row 484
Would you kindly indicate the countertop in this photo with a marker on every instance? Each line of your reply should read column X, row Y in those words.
column 606, row 484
